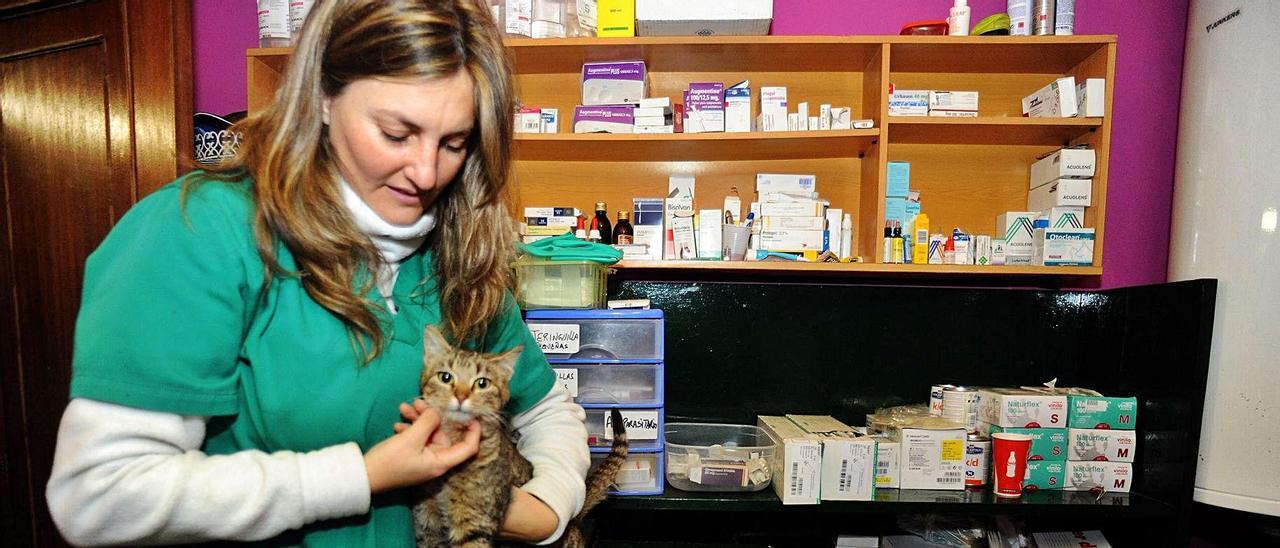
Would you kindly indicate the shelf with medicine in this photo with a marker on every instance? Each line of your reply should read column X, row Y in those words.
column 967, row 170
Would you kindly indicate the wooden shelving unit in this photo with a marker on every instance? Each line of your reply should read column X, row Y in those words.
column 968, row 170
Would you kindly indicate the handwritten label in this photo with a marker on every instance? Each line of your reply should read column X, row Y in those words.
column 641, row 425
column 556, row 338
column 568, row 379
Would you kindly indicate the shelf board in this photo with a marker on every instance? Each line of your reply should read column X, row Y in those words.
column 709, row 54
column 694, row 146
column 1003, row 130
column 861, row 269
column 901, row 501
column 993, row 54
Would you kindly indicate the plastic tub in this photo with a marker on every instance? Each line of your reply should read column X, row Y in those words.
column 718, row 457
column 612, row 384
column 560, row 284
column 641, row 474
column 600, row 336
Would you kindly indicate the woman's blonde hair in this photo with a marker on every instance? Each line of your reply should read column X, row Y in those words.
column 297, row 201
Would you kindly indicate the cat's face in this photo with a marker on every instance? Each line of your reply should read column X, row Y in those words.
column 464, row 385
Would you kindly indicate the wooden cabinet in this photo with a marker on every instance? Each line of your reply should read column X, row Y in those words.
column 968, row 170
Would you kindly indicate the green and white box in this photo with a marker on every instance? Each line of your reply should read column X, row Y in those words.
column 1065, row 216
column 1046, row 443
column 1103, row 412
column 1063, row 246
column 1045, row 475
column 1015, row 227
column 1102, row 445
column 1112, row 477
column 1021, row 408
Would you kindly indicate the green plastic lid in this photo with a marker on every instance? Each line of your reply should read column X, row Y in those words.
column 993, row 25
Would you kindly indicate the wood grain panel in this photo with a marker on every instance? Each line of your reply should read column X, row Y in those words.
column 163, row 94
column 999, row 94
column 994, row 54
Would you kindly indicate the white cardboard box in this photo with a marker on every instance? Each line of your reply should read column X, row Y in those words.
column 1064, row 217
column 1068, row 163
column 685, row 18
column 848, row 461
column 1061, row 192
column 1112, row 477
column 797, row 462
column 737, row 107
column 1101, row 445
column 792, row 240
column 1015, row 228
column 953, row 100
column 1091, row 98
column 932, row 459
column 1056, row 100
column 786, row 182
column 773, row 108
column 1063, row 247
column 888, row 462
column 1020, row 408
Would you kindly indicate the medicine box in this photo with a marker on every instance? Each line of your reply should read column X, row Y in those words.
column 848, row 461
column 1110, row 477
column 646, row 219
column 1056, row 100
column 1103, row 412
column 1091, row 98
column 684, row 18
column 773, row 108
column 612, row 383
column 603, row 119
column 1046, row 443
column 799, row 208
column 1061, row 193
column 909, row 102
column 1102, row 445
column 1065, row 216
column 614, row 83
column 641, row 473
column 888, row 462
column 1015, row 228
column 953, row 101
column 933, row 458
column 1045, row 475
column 1067, row 163
column 1017, row 407
column 615, row 18
column 598, row 336
column 898, row 179
column 644, row 427
column 1063, row 246
column 737, row 107
column 704, row 108
column 784, row 182
column 793, row 240
column 545, row 283
column 794, row 223
column 797, row 465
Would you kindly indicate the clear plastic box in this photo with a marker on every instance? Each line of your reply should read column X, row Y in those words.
column 718, row 457
column 612, row 384
column 605, row 335
column 641, row 474
column 544, row 283
column 644, row 427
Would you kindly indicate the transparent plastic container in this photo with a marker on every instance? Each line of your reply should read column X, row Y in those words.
column 606, row 335
column 560, row 284
column 641, row 474
column 613, row 384
column 718, row 457
column 644, row 428
column 549, row 18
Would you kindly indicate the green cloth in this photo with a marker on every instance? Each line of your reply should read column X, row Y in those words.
column 173, row 318
column 567, row 247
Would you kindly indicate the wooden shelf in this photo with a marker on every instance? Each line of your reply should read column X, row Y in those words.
column 695, row 146
column 859, row 269
column 698, row 54
column 990, row 130
column 994, row 54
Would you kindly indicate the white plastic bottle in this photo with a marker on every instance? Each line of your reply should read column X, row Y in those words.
column 273, row 23
column 548, row 18
column 298, row 10
column 958, row 21
column 846, row 236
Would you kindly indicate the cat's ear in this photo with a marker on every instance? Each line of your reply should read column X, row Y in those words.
column 433, row 342
column 508, row 359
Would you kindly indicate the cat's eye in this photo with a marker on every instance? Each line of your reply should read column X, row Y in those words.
column 482, row 383
column 446, row 377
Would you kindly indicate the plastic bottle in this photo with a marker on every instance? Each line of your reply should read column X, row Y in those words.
column 1064, row 17
column 594, row 235
column 298, row 10
column 958, row 21
column 898, row 257
column 623, row 233
column 581, row 233
column 273, row 23
column 548, row 18
column 886, row 251
column 846, row 236
column 602, row 219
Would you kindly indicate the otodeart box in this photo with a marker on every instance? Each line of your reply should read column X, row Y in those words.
column 1045, row 475
column 1046, row 443
column 1103, row 412
column 1102, row 445
column 1111, row 477
column 1021, row 408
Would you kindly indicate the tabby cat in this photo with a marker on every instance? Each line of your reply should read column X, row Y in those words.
column 466, row 506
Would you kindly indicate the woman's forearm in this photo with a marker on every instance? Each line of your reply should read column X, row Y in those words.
column 528, row 519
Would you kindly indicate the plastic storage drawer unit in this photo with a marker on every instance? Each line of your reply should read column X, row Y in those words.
column 612, row 383
column 544, row 283
column 641, row 474
column 644, row 427
column 598, row 336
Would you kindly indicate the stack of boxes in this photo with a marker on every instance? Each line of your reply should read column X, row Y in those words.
column 791, row 216
column 819, row 459
column 920, row 102
column 1064, row 98
column 1101, row 443
column 1060, row 190
column 1040, row 415
column 611, row 359
column 545, row 222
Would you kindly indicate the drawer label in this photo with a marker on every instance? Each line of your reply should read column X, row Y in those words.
column 556, row 338
column 568, row 379
column 641, row 425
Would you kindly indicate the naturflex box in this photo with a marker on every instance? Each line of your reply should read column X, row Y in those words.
column 1111, row 477
column 1045, row 475
column 1017, row 407
column 1102, row 445
column 1103, row 412
column 1046, row 443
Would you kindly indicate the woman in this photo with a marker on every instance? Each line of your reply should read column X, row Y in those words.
column 246, row 339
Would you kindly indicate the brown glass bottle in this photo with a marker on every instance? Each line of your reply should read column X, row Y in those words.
column 606, row 229
column 623, row 234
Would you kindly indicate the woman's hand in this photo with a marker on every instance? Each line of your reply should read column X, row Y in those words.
column 418, row 452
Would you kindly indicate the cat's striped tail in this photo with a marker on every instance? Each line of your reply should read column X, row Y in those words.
column 600, row 480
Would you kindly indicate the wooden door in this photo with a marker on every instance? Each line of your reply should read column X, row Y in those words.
column 95, row 105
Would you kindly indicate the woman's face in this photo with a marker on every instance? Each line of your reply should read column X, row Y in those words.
column 399, row 143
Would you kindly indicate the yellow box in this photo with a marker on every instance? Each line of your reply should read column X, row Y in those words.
column 616, row 18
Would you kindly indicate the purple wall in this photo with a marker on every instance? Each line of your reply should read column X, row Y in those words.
column 1144, row 127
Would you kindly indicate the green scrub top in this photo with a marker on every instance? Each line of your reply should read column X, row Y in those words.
column 173, row 318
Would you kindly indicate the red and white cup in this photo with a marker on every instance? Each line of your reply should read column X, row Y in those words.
column 1009, row 462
